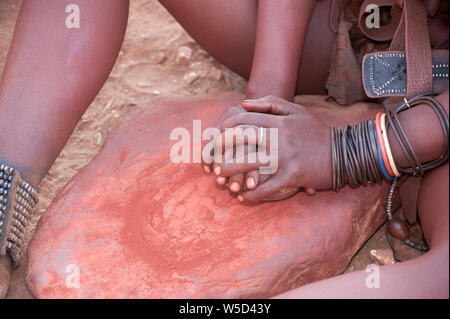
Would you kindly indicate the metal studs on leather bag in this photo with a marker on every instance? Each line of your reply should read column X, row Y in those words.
column 17, row 200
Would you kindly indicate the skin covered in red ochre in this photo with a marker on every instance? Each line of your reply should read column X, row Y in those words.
column 47, row 111
column 76, row 62
column 136, row 226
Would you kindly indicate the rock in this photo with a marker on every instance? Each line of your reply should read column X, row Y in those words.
column 202, row 54
column 216, row 74
column 131, row 103
column 190, row 77
column 115, row 113
column 133, row 224
column 98, row 138
column 161, row 57
column 382, row 256
column 184, row 55
column 143, row 37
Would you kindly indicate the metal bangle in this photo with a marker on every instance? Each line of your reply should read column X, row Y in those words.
column 17, row 201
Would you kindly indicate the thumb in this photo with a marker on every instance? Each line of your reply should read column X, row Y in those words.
column 270, row 104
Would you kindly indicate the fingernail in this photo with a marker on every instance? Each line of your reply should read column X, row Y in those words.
column 221, row 180
column 206, row 169
column 235, row 187
column 251, row 183
column 240, row 198
column 217, row 170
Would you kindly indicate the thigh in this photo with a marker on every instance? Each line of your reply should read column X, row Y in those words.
column 227, row 30
column 434, row 206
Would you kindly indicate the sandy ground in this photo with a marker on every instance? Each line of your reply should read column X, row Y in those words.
column 147, row 66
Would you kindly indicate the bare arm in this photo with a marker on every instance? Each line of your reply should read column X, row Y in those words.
column 281, row 31
column 423, row 130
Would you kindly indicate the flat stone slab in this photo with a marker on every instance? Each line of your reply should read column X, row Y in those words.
column 132, row 224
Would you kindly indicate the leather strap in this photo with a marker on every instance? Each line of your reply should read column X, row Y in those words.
column 335, row 12
column 412, row 36
column 385, row 73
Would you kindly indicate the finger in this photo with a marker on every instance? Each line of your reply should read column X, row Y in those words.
column 252, row 179
column 236, row 182
column 271, row 104
column 221, row 180
column 310, row 191
column 208, row 154
column 226, row 157
column 241, row 135
column 239, row 165
column 207, row 157
column 256, row 119
column 266, row 189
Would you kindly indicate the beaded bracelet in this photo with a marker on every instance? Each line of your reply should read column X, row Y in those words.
column 17, row 200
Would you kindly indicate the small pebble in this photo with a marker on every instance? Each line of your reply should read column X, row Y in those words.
column 191, row 77
column 216, row 74
column 382, row 256
column 98, row 138
column 184, row 55
column 161, row 57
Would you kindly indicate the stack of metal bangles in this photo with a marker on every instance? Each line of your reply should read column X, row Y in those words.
column 17, row 201
column 362, row 155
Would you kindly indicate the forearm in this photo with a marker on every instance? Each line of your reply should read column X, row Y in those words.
column 52, row 74
column 424, row 132
column 281, row 31
column 423, row 277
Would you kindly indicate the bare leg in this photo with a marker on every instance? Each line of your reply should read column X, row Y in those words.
column 227, row 30
column 52, row 74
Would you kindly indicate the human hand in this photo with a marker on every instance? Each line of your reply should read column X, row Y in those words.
column 304, row 151
column 235, row 182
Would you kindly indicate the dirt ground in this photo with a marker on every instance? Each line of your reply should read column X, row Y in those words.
column 147, row 66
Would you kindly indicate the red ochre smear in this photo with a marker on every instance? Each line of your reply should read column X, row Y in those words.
column 74, row 61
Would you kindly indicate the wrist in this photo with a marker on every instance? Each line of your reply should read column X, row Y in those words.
column 259, row 87
column 325, row 171
column 320, row 164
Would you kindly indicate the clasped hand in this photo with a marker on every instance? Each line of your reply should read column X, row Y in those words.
column 269, row 149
